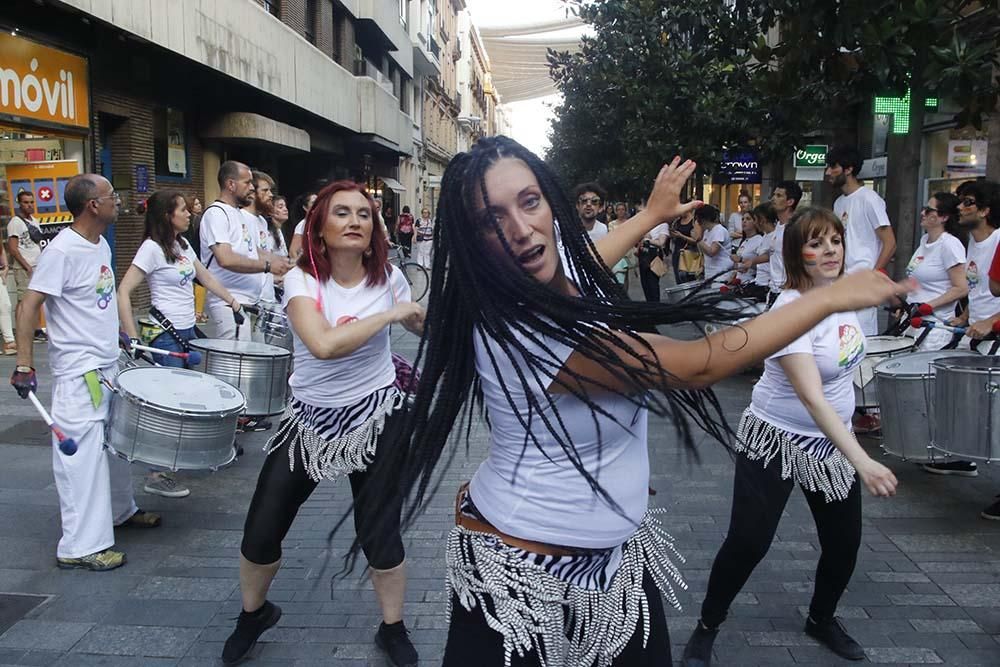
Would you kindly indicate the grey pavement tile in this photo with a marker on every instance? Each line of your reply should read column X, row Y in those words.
column 921, row 600
column 946, row 625
column 897, row 577
column 178, row 613
column 181, row 588
column 44, row 635
column 103, row 660
column 138, row 640
column 918, row 656
column 970, row 657
column 974, row 595
column 35, row 658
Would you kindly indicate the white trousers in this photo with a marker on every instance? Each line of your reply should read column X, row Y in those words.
column 936, row 339
column 6, row 324
column 220, row 315
column 422, row 253
column 869, row 321
column 95, row 486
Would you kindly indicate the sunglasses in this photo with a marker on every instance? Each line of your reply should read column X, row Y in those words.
column 593, row 201
column 967, row 201
column 927, row 210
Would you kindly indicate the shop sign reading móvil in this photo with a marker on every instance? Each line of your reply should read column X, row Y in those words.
column 813, row 155
column 42, row 84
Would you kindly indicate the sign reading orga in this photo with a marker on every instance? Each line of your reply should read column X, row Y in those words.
column 39, row 84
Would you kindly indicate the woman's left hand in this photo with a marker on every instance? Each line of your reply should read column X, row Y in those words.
column 665, row 198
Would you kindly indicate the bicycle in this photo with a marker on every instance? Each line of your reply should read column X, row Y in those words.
column 415, row 274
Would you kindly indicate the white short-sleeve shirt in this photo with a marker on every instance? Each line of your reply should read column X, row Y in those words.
column 862, row 212
column 721, row 261
column 534, row 492
column 332, row 383
column 171, row 284
column 929, row 266
column 81, row 311
column 776, row 259
column 222, row 223
column 18, row 227
column 838, row 346
column 982, row 304
column 751, row 248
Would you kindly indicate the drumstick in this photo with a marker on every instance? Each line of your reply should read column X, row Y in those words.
column 918, row 322
column 193, row 357
column 66, row 445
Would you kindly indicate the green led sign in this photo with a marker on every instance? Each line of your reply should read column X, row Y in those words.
column 899, row 107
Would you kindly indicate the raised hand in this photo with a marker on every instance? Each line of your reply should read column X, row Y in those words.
column 665, row 199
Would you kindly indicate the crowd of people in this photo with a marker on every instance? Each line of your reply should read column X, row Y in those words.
column 556, row 557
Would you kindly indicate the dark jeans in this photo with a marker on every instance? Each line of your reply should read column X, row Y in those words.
column 472, row 642
column 406, row 240
column 167, row 342
column 650, row 283
column 280, row 492
column 759, row 497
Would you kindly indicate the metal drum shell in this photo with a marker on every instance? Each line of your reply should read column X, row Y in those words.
column 258, row 370
column 906, row 397
column 877, row 348
column 679, row 292
column 178, row 439
column 271, row 325
column 967, row 394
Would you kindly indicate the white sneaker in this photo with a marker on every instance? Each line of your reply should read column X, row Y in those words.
column 162, row 484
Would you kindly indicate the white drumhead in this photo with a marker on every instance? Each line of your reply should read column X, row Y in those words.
column 180, row 389
column 917, row 364
column 237, row 347
column 879, row 345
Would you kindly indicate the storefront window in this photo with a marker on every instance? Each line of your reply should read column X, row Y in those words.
column 169, row 143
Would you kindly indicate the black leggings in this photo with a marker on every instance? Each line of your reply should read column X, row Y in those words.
column 280, row 492
column 472, row 642
column 759, row 497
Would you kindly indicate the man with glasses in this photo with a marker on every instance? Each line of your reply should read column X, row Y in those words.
column 589, row 203
column 75, row 280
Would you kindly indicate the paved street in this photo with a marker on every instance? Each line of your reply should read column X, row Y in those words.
column 926, row 590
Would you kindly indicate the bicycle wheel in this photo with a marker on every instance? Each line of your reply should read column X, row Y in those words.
column 418, row 278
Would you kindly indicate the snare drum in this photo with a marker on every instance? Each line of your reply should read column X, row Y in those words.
column 258, row 370
column 271, row 325
column 877, row 350
column 174, row 418
column 905, row 388
column 679, row 292
column 966, row 419
column 148, row 330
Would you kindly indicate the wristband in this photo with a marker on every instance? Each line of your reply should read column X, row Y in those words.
column 267, row 266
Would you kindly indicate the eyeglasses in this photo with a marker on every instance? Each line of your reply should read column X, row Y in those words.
column 593, row 201
column 967, row 202
column 114, row 195
column 927, row 210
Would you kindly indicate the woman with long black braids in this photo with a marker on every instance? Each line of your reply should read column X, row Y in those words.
column 343, row 416
column 555, row 560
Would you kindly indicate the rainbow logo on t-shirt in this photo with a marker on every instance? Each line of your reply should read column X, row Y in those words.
column 186, row 270
column 852, row 346
column 105, row 287
column 915, row 261
column 247, row 239
column 972, row 274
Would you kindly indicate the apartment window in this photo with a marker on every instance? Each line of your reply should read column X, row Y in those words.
column 169, row 143
column 312, row 13
column 273, row 7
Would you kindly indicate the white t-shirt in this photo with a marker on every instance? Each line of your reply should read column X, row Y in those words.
column 81, row 311
column 534, row 492
column 423, row 230
column 721, row 261
column 265, row 244
column 221, row 223
column 300, row 227
column 862, row 212
column 838, row 346
column 599, row 231
column 661, row 231
column 332, row 383
column 929, row 266
column 763, row 276
column 982, row 304
column 776, row 260
column 750, row 249
column 18, row 227
column 171, row 284
column 735, row 225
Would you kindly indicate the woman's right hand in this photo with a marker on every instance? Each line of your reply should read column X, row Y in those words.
column 878, row 479
column 865, row 289
column 407, row 311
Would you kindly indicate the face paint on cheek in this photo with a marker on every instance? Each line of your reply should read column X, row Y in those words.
column 809, row 258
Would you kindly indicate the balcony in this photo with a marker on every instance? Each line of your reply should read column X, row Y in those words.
column 367, row 68
column 425, row 63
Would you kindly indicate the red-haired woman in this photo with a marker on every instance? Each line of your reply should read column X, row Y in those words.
column 344, row 410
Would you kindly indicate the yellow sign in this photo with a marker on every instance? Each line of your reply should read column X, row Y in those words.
column 47, row 181
column 42, row 84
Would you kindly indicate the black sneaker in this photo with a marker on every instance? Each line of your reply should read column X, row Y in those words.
column 832, row 635
column 249, row 627
column 394, row 640
column 252, row 424
column 992, row 512
column 961, row 468
column 698, row 652
column 41, row 336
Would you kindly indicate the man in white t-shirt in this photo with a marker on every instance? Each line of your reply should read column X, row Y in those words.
column 229, row 248
column 589, row 199
column 869, row 237
column 785, row 199
column 23, row 234
column 75, row 281
column 735, row 225
column 259, row 210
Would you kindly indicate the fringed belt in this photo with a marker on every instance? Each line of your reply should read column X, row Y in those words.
column 565, row 624
column 813, row 462
column 333, row 442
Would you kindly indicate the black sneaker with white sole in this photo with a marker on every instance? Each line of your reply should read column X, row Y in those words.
column 993, row 511
column 960, row 468
column 831, row 633
column 395, row 641
column 249, row 627
column 252, row 425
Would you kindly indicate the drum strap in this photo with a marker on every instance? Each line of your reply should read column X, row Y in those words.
column 168, row 326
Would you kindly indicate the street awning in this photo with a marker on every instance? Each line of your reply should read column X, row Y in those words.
column 392, row 184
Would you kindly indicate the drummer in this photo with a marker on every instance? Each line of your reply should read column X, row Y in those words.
column 75, row 281
column 169, row 265
column 344, row 410
column 938, row 266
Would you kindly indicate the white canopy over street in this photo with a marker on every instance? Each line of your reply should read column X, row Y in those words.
column 518, row 55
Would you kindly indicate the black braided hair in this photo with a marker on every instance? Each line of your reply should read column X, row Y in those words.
column 474, row 292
